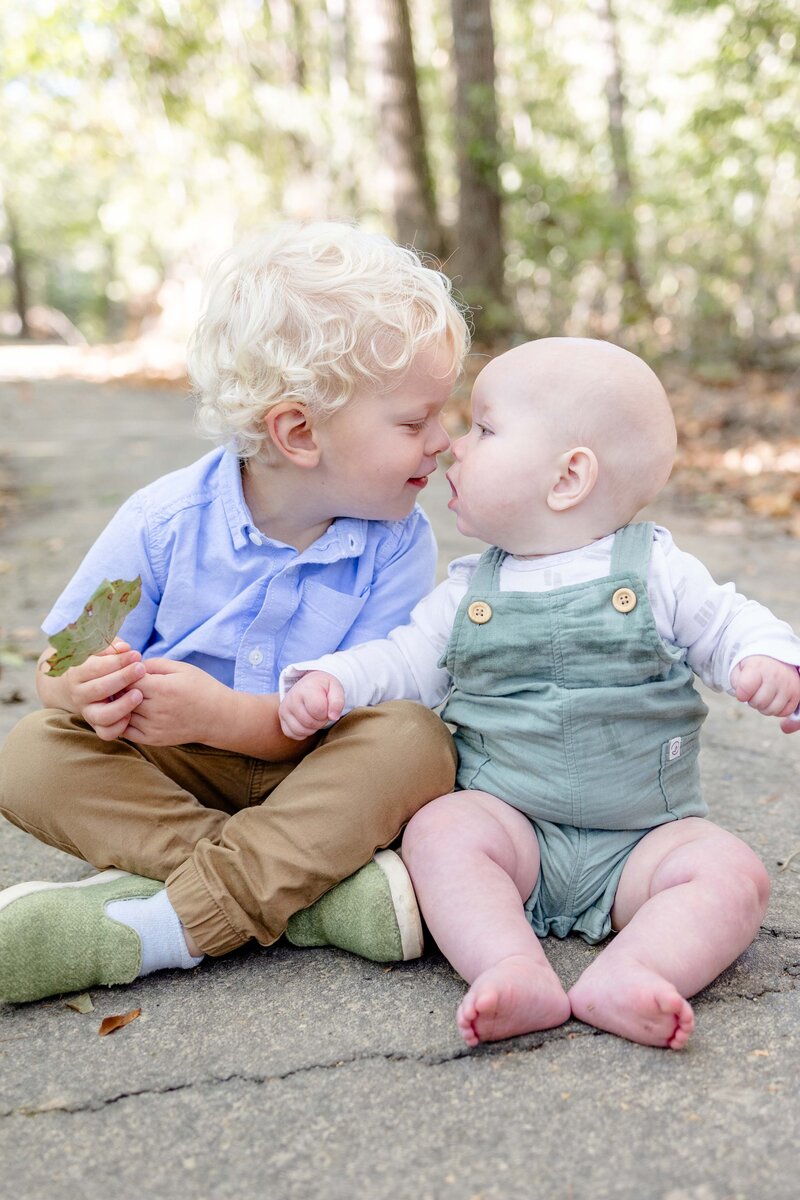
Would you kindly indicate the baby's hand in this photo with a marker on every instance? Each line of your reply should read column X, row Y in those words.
column 103, row 689
column 313, row 701
column 790, row 726
column 770, row 686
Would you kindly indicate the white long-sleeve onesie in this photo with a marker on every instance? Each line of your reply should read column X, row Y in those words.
column 713, row 623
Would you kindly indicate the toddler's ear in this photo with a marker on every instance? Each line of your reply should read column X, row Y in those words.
column 577, row 475
column 292, row 433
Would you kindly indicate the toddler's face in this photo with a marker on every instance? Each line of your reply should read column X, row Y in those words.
column 504, row 466
column 379, row 450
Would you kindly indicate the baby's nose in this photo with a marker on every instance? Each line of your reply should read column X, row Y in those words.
column 455, row 447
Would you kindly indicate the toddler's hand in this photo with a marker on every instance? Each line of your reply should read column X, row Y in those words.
column 103, row 689
column 789, row 726
column 313, row 701
column 770, row 686
column 180, row 704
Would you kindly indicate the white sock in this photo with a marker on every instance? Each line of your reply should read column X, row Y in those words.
column 159, row 929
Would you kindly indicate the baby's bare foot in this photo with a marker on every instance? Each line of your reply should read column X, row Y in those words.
column 516, row 995
column 634, row 1002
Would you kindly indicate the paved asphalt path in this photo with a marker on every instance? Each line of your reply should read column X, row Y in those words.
column 290, row 1074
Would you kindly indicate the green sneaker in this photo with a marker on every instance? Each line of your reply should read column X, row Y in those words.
column 56, row 937
column 373, row 914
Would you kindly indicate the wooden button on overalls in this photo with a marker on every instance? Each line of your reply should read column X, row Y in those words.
column 479, row 612
column 624, row 600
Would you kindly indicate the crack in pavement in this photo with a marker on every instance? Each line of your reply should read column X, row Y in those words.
column 486, row 1051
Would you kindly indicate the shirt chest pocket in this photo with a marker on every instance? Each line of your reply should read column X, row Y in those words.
column 323, row 619
column 339, row 609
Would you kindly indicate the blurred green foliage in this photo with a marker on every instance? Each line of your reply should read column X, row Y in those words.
column 137, row 138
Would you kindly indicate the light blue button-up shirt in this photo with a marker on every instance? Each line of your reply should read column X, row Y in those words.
column 218, row 593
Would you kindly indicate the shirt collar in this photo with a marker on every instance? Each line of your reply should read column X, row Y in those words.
column 346, row 537
column 237, row 513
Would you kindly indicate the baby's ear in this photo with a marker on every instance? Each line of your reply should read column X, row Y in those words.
column 577, row 475
column 291, row 431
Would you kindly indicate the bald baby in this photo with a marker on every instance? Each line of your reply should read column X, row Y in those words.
column 596, row 426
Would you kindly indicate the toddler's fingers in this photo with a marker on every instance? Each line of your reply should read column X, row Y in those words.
column 103, row 664
column 100, row 688
column 118, row 646
column 107, row 717
column 791, row 726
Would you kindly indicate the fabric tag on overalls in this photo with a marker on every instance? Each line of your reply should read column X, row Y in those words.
column 674, row 749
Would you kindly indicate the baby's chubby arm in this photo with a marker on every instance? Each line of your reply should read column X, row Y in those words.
column 732, row 643
column 769, row 686
column 315, row 700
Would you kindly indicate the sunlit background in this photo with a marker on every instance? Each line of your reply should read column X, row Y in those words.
column 625, row 169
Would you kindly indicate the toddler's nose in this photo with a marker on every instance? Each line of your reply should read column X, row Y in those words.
column 440, row 440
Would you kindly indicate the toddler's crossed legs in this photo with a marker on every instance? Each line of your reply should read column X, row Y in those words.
column 690, row 900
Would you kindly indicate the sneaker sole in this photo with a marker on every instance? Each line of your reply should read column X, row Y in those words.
column 404, row 901
column 9, row 895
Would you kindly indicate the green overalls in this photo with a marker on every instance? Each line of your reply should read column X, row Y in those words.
column 569, row 706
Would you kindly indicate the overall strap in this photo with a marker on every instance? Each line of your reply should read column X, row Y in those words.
column 633, row 545
column 485, row 578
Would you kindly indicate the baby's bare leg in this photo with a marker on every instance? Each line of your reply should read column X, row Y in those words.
column 474, row 861
column 690, row 900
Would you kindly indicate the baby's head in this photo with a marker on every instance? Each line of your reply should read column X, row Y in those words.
column 573, row 435
column 315, row 313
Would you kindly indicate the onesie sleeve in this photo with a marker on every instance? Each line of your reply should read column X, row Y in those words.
column 716, row 625
column 402, row 666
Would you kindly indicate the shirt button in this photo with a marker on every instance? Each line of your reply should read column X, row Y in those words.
column 255, row 538
column 479, row 612
column 624, row 600
column 255, row 657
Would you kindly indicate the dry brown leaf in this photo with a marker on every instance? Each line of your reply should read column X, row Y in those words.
column 109, row 1024
column 80, row 1004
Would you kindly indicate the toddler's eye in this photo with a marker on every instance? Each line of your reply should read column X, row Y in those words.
column 416, row 426
column 482, row 430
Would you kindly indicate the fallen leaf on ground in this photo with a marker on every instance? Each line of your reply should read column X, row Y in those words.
column 109, row 1024
column 81, row 1004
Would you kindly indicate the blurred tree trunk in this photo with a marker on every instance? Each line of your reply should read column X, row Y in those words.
column 478, row 261
column 402, row 132
column 341, row 44
column 635, row 303
column 19, row 270
column 299, row 27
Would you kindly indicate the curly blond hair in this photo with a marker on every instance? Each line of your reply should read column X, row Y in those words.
column 314, row 312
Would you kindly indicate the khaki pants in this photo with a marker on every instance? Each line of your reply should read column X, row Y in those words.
column 242, row 843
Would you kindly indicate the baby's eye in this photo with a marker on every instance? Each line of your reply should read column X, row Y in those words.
column 416, row 426
column 482, row 430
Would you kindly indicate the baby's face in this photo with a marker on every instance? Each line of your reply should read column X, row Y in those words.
column 504, row 466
